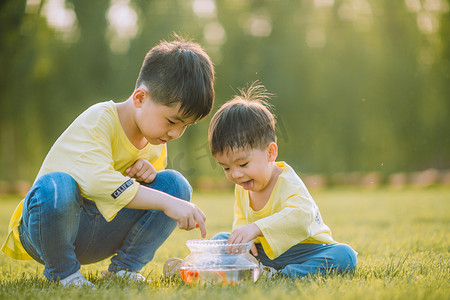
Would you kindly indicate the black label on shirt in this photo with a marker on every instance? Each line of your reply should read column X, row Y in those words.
column 122, row 188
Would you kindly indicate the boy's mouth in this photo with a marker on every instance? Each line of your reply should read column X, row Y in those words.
column 162, row 141
column 247, row 185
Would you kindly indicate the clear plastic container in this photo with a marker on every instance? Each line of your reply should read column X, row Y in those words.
column 216, row 262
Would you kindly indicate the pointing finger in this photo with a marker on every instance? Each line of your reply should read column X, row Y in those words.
column 201, row 224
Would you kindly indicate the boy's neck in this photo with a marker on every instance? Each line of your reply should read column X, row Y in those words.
column 259, row 199
column 125, row 110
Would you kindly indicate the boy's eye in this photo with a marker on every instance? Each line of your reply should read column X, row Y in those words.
column 244, row 164
column 226, row 169
column 171, row 122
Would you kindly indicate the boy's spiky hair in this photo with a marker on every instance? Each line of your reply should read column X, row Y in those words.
column 244, row 122
column 179, row 71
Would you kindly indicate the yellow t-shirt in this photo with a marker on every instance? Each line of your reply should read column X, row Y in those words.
column 95, row 151
column 289, row 217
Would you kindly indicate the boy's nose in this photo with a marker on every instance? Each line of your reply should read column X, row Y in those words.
column 175, row 133
column 236, row 174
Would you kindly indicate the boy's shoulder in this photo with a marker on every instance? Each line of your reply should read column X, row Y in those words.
column 99, row 107
column 98, row 110
column 288, row 173
column 100, row 116
column 289, row 182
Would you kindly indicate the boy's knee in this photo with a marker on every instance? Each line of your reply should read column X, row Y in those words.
column 221, row 236
column 60, row 187
column 55, row 176
column 177, row 184
column 55, row 180
column 346, row 257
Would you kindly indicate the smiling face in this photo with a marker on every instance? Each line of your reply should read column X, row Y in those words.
column 159, row 123
column 253, row 169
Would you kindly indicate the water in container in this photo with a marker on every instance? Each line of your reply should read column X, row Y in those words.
column 216, row 262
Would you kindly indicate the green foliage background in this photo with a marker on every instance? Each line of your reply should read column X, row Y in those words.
column 360, row 85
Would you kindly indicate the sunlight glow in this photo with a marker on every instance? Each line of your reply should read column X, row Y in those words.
column 428, row 13
column 320, row 3
column 214, row 33
column 315, row 37
column 123, row 25
column 204, row 8
column 32, row 6
column 435, row 5
column 259, row 24
column 61, row 16
column 359, row 12
column 427, row 22
column 413, row 5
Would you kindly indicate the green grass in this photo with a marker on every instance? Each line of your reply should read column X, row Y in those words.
column 402, row 237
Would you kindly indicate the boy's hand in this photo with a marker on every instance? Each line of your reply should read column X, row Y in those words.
column 187, row 215
column 142, row 170
column 245, row 234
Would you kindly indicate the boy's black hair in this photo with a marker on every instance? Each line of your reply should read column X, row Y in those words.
column 244, row 122
column 179, row 72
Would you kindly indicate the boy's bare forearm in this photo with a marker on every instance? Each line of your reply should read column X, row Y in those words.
column 187, row 215
column 151, row 199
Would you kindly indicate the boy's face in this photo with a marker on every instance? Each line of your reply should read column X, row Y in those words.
column 159, row 123
column 253, row 169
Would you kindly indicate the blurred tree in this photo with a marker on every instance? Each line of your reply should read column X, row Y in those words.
column 22, row 38
column 360, row 85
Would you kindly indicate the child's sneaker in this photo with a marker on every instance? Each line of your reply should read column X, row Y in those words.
column 76, row 279
column 172, row 267
column 131, row 276
column 266, row 271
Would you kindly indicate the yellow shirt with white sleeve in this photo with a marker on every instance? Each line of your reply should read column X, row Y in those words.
column 289, row 217
column 95, row 151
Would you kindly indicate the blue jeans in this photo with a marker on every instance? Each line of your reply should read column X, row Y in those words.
column 303, row 259
column 63, row 230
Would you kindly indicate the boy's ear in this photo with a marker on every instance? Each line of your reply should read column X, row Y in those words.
column 273, row 151
column 139, row 96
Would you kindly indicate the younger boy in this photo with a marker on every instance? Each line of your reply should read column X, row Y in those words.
column 272, row 205
column 102, row 191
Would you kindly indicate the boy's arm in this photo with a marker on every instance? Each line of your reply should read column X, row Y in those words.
column 187, row 214
column 242, row 231
column 291, row 225
column 294, row 219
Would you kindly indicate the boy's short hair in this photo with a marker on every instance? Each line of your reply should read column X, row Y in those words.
column 179, row 72
column 244, row 122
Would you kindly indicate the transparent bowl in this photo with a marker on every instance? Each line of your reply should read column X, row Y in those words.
column 216, row 262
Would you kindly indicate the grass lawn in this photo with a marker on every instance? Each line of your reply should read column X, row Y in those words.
column 402, row 237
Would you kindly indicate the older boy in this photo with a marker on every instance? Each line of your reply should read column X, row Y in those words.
column 272, row 205
column 102, row 190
